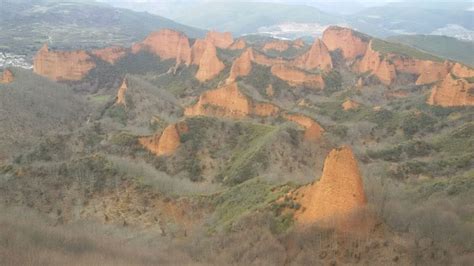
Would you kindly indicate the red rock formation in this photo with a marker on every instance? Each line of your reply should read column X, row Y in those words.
column 462, row 71
column 121, row 94
column 270, row 91
column 298, row 43
column 110, row 54
column 317, row 57
column 349, row 105
column 295, row 77
column 7, row 77
column 452, row 92
column 167, row 142
column 378, row 65
column 241, row 66
column 56, row 66
column 222, row 40
column 197, row 51
column 428, row 71
column 229, row 101
column 351, row 43
column 209, row 65
column 167, row 44
column 313, row 131
column 240, row 44
column 338, row 193
column 277, row 45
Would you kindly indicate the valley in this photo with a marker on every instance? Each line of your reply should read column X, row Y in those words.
column 210, row 149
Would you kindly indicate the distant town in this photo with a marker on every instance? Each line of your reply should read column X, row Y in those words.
column 13, row 60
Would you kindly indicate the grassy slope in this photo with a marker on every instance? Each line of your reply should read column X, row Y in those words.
column 443, row 46
column 397, row 48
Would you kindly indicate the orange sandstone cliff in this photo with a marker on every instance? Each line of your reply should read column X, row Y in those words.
column 452, row 92
column 209, row 64
column 7, row 76
column 339, row 192
column 313, row 131
column 229, row 101
column 110, row 54
column 378, row 65
column 222, row 40
column 239, row 44
column 167, row 142
column 462, row 71
column 167, row 44
column 121, row 94
column 349, row 105
column 317, row 57
column 296, row 77
column 73, row 65
column 241, row 66
column 277, row 45
column 351, row 43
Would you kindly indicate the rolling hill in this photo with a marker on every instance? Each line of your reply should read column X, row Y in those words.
column 447, row 47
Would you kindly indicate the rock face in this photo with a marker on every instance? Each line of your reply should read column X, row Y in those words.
column 313, row 131
column 296, row 77
column 240, row 44
column 452, row 92
column 462, row 71
column 209, row 64
column 110, row 54
column 337, row 194
column 7, row 77
column 241, row 66
column 167, row 142
column 167, row 44
column 351, row 43
column 222, row 40
column 228, row 101
column 317, row 57
column 277, row 45
column 197, row 51
column 378, row 65
column 427, row 71
column 57, row 66
column 349, row 105
column 121, row 94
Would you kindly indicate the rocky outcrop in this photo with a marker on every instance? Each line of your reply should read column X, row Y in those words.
column 229, row 101
column 338, row 194
column 351, row 43
column 240, row 44
column 121, row 100
column 313, row 131
column 277, row 45
column 427, row 71
column 167, row 142
column 222, row 40
column 110, row 54
column 317, row 57
column 378, row 65
column 349, row 105
column 296, row 77
column 167, row 44
column 7, row 77
column 462, row 71
column 73, row 65
column 197, row 51
column 452, row 92
column 241, row 66
column 209, row 64
column 298, row 43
